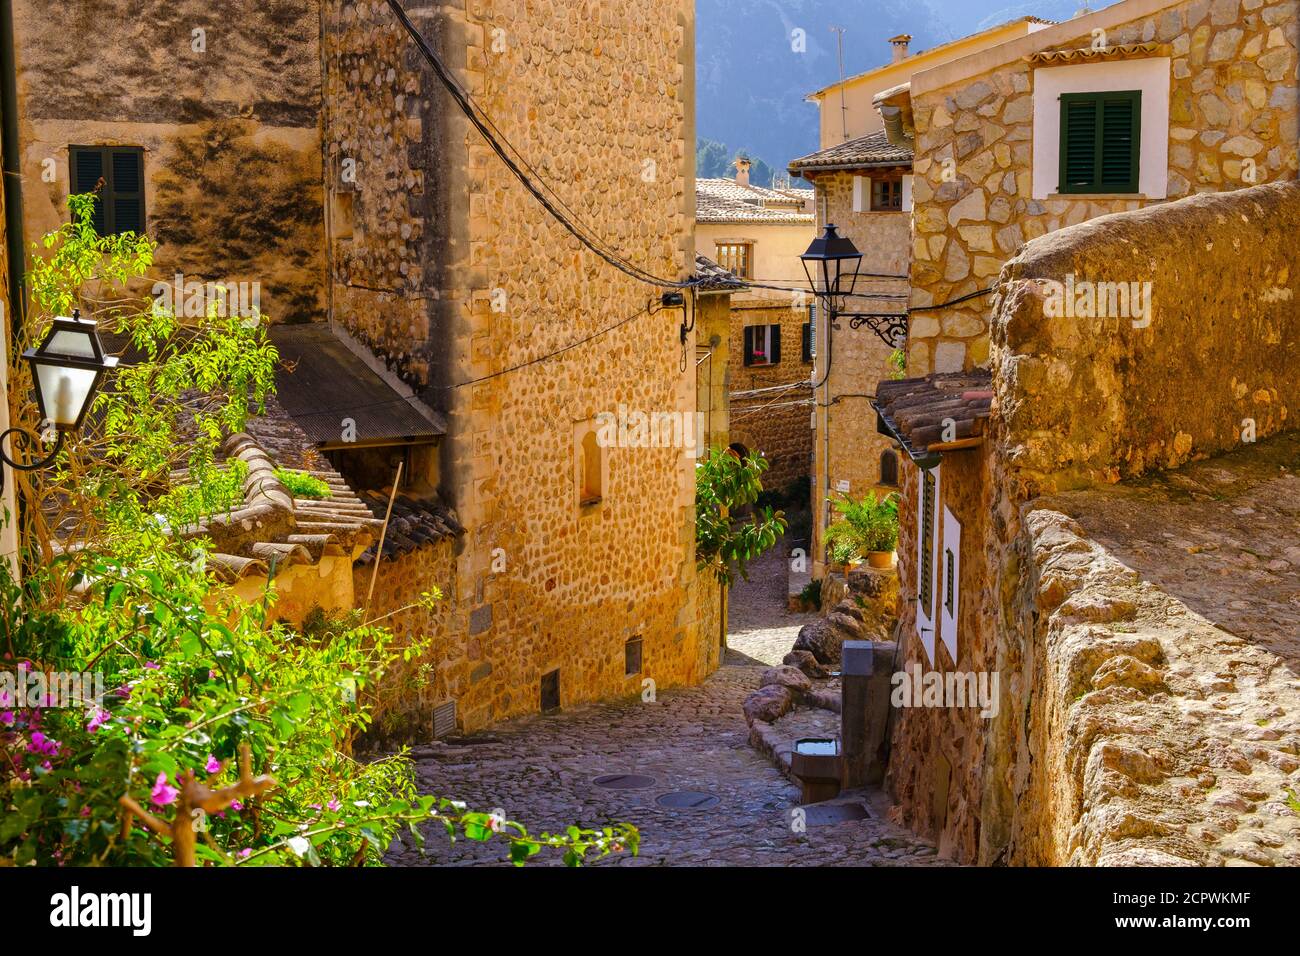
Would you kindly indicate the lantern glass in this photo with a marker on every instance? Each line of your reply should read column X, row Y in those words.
column 837, row 262
column 64, row 392
column 72, row 342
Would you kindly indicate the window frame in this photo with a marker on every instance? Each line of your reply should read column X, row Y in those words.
column 1097, row 186
column 892, row 185
column 771, row 343
column 725, row 253
column 106, row 199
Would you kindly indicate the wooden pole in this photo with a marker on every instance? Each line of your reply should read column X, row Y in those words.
column 383, row 532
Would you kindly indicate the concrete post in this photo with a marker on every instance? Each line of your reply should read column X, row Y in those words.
column 865, row 672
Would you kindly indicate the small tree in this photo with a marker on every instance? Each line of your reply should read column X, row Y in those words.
column 725, row 482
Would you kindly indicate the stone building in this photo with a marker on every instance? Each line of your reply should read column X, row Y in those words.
column 1106, row 480
column 1200, row 97
column 310, row 148
column 758, row 234
column 863, row 185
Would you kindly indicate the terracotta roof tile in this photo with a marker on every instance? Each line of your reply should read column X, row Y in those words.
column 870, row 151
column 916, row 411
column 725, row 200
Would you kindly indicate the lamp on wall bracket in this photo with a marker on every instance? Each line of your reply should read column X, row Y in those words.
column 832, row 264
column 66, row 371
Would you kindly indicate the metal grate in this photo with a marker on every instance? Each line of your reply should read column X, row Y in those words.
column 624, row 781
column 444, row 719
column 926, row 556
column 687, row 800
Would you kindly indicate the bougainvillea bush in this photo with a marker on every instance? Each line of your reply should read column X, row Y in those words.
column 222, row 737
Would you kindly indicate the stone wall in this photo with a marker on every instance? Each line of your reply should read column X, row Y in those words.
column 776, row 423
column 1085, row 400
column 791, row 368
column 459, row 280
column 228, row 119
column 1232, row 98
column 846, row 435
column 779, row 426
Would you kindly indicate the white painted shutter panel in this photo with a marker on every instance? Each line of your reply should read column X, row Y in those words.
column 950, row 583
column 861, row 193
column 907, row 194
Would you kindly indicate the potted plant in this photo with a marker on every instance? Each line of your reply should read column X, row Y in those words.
column 868, row 526
column 841, row 552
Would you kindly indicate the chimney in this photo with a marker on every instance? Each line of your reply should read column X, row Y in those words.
column 899, row 44
column 742, row 171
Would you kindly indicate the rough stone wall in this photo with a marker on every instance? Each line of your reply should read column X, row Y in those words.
column 845, row 422
column 231, row 133
column 783, row 434
column 941, row 750
column 712, row 366
column 397, row 185
column 791, row 368
column 776, row 423
column 1233, row 96
column 468, row 277
column 455, row 668
column 1086, row 400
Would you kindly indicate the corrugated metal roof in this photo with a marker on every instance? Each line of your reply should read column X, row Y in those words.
column 320, row 382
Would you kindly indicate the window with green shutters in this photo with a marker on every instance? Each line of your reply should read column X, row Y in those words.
column 119, row 206
column 1100, row 142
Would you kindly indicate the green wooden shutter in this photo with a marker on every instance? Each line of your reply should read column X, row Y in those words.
column 128, row 190
column 87, row 168
column 775, row 357
column 749, row 344
column 1120, row 141
column 1100, row 142
column 807, row 342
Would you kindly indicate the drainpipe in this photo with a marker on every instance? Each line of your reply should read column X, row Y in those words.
column 13, row 202
column 895, row 131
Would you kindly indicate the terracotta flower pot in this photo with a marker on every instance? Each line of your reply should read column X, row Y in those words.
column 880, row 559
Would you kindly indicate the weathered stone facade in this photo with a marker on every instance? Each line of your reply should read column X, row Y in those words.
column 771, row 405
column 1232, row 123
column 448, row 269
column 225, row 101
column 1086, row 760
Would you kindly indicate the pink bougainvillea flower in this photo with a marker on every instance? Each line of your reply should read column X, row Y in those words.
column 236, row 805
column 85, row 811
column 7, row 718
column 333, row 806
column 245, row 853
column 151, row 666
column 213, row 765
column 42, row 744
column 98, row 720
column 163, row 793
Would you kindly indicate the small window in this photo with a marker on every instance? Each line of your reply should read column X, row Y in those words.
column 888, row 467
column 886, row 195
column 762, row 345
column 550, row 692
column 736, row 258
column 632, row 656
column 1100, row 142
column 949, row 574
column 592, row 473
column 118, row 174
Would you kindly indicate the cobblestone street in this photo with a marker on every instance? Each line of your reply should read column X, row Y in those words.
column 540, row 771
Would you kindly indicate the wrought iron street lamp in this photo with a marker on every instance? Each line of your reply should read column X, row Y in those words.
column 832, row 264
column 66, row 371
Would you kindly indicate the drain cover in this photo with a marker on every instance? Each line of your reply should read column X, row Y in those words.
column 624, row 781
column 687, row 800
column 824, row 814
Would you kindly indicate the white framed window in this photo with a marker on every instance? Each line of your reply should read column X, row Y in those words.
column 1147, row 77
column 950, row 589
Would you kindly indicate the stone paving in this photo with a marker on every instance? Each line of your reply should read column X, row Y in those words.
column 539, row 770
